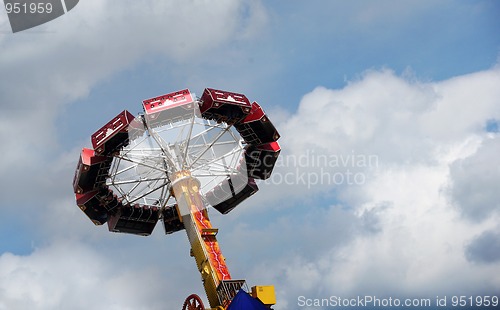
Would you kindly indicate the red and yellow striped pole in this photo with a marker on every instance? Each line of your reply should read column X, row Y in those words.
column 202, row 236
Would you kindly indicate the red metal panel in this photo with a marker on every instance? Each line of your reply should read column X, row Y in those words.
column 109, row 200
column 224, row 106
column 90, row 172
column 82, row 199
column 171, row 221
column 260, row 159
column 256, row 113
column 134, row 219
column 168, row 101
column 90, row 204
column 231, row 192
column 256, row 128
column 219, row 97
column 170, row 108
column 112, row 135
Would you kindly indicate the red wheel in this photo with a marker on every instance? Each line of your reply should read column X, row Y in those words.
column 193, row 302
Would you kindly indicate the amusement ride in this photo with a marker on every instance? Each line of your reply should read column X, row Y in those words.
column 170, row 163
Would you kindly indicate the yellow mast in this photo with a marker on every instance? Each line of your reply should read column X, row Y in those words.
column 202, row 237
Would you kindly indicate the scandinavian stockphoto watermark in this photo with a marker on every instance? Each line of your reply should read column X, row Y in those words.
column 372, row 301
column 26, row 14
column 312, row 168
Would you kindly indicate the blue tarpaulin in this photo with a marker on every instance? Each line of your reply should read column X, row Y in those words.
column 243, row 301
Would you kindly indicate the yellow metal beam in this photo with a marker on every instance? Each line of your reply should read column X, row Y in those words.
column 202, row 236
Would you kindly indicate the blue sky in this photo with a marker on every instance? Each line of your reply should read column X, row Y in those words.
column 413, row 83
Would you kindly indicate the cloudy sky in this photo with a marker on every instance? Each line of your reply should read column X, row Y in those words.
column 387, row 184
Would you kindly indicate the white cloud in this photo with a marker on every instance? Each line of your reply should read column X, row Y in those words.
column 475, row 181
column 382, row 120
column 400, row 231
column 465, row 104
column 485, row 248
column 69, row 275
column 435, row 163
column 44, row 70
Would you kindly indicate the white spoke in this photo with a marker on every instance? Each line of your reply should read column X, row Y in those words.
column 140, row 172
column 209, row 146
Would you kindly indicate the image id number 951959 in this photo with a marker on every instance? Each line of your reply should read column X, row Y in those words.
column 28, row 8
column 474, row 301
